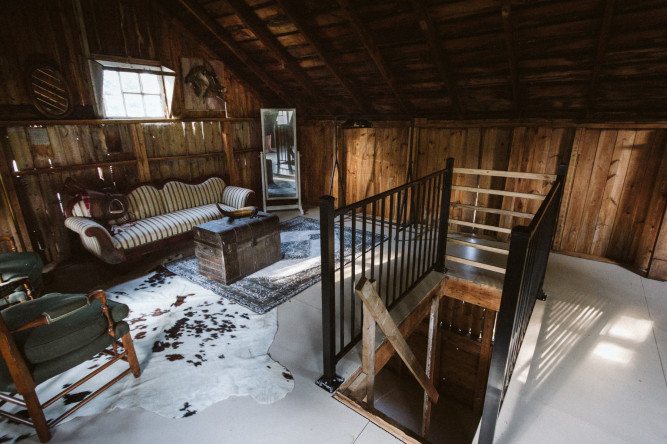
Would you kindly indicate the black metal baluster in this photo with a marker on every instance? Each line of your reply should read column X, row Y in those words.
column 353, row 305
column 416, row 202
column 328, row 299
column 405, row 234
column 341, row 274
column 436, row 220
column 396, row 260
column 363, row 242
column 429, row 225
column 390, row 288
column 374, row 212
column 424, row 218
column 380, row 285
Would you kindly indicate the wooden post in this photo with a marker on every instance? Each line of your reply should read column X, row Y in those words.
column 364, row 289
column 368, row 354
column 431, row 359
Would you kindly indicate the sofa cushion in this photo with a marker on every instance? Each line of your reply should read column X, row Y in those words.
column 14, row 265
column 180, row 196
column 145, row 201
column 156, row 228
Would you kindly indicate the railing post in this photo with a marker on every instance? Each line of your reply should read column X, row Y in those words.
column 505, row 325
column 444, row 216
column 329, row 381
column 561, row 173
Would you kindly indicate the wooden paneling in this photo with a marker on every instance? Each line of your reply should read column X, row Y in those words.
column 178, row 150
column 614, row 198
column 126, row 30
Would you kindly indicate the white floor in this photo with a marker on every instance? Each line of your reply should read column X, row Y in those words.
column 596, row 376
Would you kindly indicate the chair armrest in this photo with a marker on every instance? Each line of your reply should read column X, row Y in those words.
column 7, row 288
column 96, row 239
column 237, row 197
column 50, row 317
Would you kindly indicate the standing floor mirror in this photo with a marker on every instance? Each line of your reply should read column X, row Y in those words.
column 281, row 178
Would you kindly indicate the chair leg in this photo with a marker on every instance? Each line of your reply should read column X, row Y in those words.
column 128, row 345
column 37, row 415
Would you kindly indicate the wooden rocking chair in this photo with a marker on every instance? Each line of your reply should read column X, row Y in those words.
column 45, row 337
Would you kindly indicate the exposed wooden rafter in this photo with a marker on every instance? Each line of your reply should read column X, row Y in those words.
column 438, row 54
column 599, row 56
column 373, row 52
column 276, row 50
column 315, row 42
column 223, row 36
column 510, row 44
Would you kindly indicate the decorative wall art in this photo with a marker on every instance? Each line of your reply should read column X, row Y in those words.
column 203, row 88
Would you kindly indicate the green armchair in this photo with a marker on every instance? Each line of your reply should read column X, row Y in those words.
column 44, row 337
column 20, row 275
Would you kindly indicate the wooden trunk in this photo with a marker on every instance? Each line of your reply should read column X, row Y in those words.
column 229, row 250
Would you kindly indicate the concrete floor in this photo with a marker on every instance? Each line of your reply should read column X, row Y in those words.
column 592, row 369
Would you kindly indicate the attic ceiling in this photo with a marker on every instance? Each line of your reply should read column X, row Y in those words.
column 471, row 59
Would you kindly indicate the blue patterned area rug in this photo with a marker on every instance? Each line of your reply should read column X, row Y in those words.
column 277, row 283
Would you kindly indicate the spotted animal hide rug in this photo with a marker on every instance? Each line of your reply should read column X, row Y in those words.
column 195, row 348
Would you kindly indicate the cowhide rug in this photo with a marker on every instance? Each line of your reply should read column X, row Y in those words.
column 195, row 348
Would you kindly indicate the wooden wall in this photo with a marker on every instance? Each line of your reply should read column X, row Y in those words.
column 616, row 189
column 150, row 152
column 67, row 32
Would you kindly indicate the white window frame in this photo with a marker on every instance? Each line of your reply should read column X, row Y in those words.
column 98, row 67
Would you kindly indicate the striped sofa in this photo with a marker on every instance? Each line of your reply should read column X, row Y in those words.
column 154, row 216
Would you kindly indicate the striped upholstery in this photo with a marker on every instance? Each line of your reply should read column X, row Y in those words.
column 236, row 197
column 162, row 227
column 157, row 214
column 80, row 225
column 80, row 209
column 179, row 196
column 145, row 201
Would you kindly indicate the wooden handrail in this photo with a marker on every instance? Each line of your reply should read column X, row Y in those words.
column 475, row 264
column 497, row 173
column 500, row 192
column 493, row 210
column 478, row 246
column 482, row 226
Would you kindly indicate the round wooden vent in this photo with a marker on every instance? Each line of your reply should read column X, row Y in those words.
column 49, row 91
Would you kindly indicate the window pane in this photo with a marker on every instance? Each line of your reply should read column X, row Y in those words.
column 134, row 105
column 153, row 106
column 130, row 82
column 110, row 82
column 150, row 83
column 113, row 105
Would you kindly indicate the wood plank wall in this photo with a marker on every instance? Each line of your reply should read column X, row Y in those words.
column 202, row 144
column 616, row 189
column 181, row 150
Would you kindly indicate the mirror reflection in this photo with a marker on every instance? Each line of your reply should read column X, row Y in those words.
column 278, row 126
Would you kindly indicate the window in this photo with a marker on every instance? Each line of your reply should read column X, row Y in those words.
column 125, row 90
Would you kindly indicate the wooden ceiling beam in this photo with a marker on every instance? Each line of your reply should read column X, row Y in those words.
column 438, row 54
column 276, row 50
column 315, row 42
column 226, row 39
column 599, row 55
column 373, row 52
column 510, row 44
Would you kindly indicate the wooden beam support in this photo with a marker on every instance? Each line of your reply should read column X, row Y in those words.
column 599, row 55
column 478, row 246
column 432, row 359
column 364, row 289
column 303, row 26
column 481, row 265
column 497, row 173
column 368, row 353
column 510, row 45
column 437, row 53
column 226, row 39
column 276, row 50
column 373, row 52
column 518, row 214
column 475, row 293
column 499, row 192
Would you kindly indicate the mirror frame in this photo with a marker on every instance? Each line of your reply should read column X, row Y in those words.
column 266, row 199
